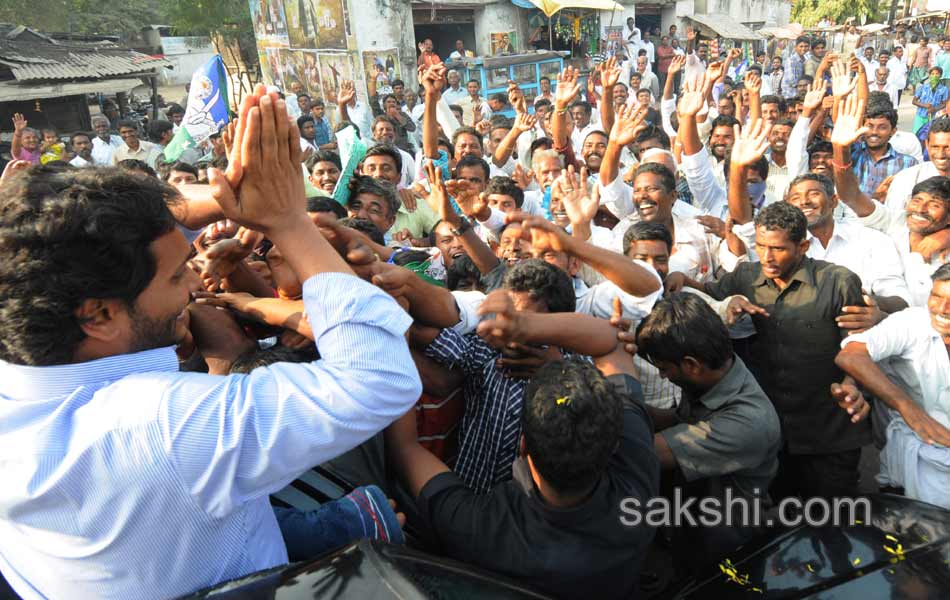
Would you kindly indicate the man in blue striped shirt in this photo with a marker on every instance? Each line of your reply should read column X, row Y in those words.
column 124, row 478
column 875, row 159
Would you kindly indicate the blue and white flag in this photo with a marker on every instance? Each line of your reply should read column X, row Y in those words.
column 207, row 110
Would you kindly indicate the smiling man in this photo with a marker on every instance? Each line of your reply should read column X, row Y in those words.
column 916, row 340
column 875, row 159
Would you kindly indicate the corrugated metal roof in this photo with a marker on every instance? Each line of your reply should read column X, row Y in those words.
column 29, row 61
column 12, row 91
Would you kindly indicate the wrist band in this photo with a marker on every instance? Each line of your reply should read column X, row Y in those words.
column 838, row 165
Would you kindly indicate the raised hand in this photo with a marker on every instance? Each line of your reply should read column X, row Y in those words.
column 543, row 234
column 271, row 193
column 751, row 143
column 483, row 127
column 439, row 196
column 814, row 96
column 12, row 168
column 627, row 122
column 521, row 177
column 753, row 82
column 848, row 129
column 676, row 65
column 516, row 99
column 567, row 88
column 734, row 54
column 690, row 33
column 691, row 102
column 581, row 207
column 19, row 122
column 715, row 70
column 525, row 122
column 346, row 93
column 467, row 197
column 611, row 72
column 841, row 82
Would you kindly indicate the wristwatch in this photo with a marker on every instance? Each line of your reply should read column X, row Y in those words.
column 464, row 225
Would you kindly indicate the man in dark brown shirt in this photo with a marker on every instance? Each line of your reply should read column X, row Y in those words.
column 793, row 301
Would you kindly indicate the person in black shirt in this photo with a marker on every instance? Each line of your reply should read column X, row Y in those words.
column 794, row 302
column 587, row 445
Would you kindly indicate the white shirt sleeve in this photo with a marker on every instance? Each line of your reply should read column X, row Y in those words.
column 468, row 303
column 617, row 197
column 702, row 182
column 599, row 299
column 797, row 153
column 891, row 337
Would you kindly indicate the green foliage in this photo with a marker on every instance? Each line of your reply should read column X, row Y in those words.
column 810, row 12
column 229, row 18
column 82, row 16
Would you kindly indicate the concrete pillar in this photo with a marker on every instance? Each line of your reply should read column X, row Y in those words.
column 383, row 24
column 500, row 17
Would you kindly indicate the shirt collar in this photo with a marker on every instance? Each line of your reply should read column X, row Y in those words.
column 805, row 274
column 726, row 388
column 22, row 382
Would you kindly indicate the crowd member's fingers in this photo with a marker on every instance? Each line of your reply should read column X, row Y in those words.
column 850, row 399
column 12, row 168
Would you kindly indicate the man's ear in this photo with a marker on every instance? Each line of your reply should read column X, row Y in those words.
column 573, row 265
column 98, row 318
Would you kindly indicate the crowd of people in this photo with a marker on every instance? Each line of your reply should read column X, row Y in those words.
column 713, row 274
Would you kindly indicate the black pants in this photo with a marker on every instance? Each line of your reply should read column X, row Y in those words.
column 806, row 476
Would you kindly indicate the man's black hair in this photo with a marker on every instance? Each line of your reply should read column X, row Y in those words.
column 644, row 231
column 318, row 204
column 500, row 122
column 756, row 68
column 785, row 122
column 826, row 183
column 256, row 359
column 773, row 99
column 78, row 134
column 462, row 268
column 396, row 82
column 941, row 125
column 165, row 169
column 140, row 166
column 879, row 99
column 505, row 186
column 69, row 236
column 936, row 186
column 386, row 149
column 499, row 97
column 876, row 110
column 542, row 102
column 820, row 146
column 472, row 161
column 784, row 216
column 942, row 273
column 724, row 121
column 543, row 281
column 572, row 422
column 684, row 325
column 128, row 124
column 365, row 226
column 157, row 129
column 174, row 109
column 667, row 179
column 303, row 119
column 545, row 143
column 404, row 257
column 323, row 156
column 585, row 106
column 362, row 184
column 466, row 130
column 652, row 132
column 803, row 39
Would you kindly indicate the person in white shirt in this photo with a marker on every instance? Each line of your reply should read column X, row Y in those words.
column 471, row 102
column 647, row 45
column 105, row 143
column 916, row 455
column 631, row 38
column 455, row 92
column 897, row 68
column 82, row 148
column 884, row 83
column 648, row 79
column 869, row 254
column 460, row 52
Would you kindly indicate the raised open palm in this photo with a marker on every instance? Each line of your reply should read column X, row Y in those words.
column 751, row 143
column 848, row 127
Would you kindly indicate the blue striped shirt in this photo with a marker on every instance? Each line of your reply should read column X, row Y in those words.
column 124, row 478
column 872, row 173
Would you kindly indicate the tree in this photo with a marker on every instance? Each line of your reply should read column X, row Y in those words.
column 82, row 16
column 810, row 12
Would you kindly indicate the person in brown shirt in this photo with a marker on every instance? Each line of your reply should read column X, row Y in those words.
column 664, row 56
column 793, row 301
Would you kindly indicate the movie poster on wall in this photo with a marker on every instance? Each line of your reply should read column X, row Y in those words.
column 270, row 69
column 292, row 71
column 334, row 69
column 316, row 24
column 383, row 66
column 267, row 17
column 311, row 75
